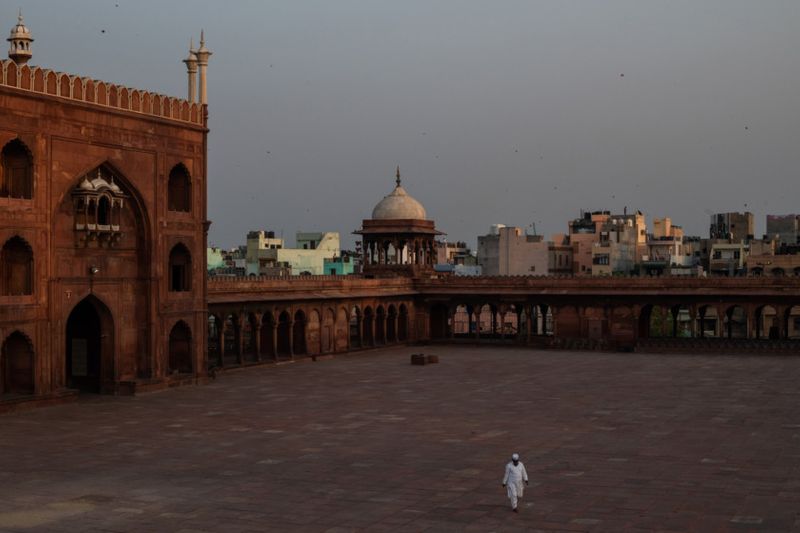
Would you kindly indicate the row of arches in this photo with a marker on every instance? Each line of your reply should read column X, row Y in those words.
column 731, row 321
column 16, row 268
column 241, row 337
column 478, row 320
column 777, row 272
column 397, row 251
column 16, row 177
column 523, row 321
column 88, row 355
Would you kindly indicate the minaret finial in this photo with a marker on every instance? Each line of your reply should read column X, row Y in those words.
column 203, row 54
column 20, row 41
column 398, row 175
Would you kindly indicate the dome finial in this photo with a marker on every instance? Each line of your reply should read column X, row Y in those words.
column 20, row 42
column 398, row 175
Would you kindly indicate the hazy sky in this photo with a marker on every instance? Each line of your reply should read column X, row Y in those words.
column 508, row 112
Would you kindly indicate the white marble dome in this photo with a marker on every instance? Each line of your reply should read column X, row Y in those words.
column 398, row 205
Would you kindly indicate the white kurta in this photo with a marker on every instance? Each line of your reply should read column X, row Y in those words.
column 513, row 480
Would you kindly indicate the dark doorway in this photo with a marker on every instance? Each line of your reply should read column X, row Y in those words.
column 86, row 342
column 180, row 349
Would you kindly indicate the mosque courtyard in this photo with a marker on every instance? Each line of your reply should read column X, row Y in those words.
column 612, row 442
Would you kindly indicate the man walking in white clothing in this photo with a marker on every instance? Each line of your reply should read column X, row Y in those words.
column 512, row 480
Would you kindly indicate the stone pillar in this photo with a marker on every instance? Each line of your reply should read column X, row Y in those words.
column 674, row 314
column 693, row 321
column 257, row 334
column 221, row 345
column 240, row 340
column 451, row 311
column 477, row 314
column 783, row 321
column 275, row 340
column 554, row 312
column 502, row 325
column 528, row 323
column 748, row 321
column 291, row 339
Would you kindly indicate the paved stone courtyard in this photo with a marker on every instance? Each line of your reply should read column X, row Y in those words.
column 612, row 442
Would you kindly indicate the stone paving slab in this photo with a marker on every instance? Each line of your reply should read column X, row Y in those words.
column 368, row 442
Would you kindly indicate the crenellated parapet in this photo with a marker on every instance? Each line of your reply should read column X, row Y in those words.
column 62, row 85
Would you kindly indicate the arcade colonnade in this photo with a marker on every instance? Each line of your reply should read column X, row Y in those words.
column 258, row 332
column 523, row 321
column 399, row 251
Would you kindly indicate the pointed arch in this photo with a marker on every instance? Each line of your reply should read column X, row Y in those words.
column 16, row 267
column 214, row 344
column 180, row 349
column 180, row 268
column 90, row 346
column 354, row 322
column 249, row 336
column 299, row 333
column 17, row 365
column 16, row 180
column 284, row 334
column 380, row 325
column 402, row 324
column 179, row 189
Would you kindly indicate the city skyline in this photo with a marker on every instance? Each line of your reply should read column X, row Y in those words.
column 516, row 114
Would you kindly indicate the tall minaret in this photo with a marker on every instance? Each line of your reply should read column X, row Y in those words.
column 20, row 39
column 203, row 54
column 191, row 69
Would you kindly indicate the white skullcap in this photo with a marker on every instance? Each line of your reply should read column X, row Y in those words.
column 515, row 457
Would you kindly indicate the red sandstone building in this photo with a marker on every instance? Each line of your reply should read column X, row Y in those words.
column 103, row 232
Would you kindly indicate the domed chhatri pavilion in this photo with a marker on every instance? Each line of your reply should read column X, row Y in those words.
column 399, row 238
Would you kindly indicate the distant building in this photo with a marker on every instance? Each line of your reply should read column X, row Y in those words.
column 666, row 252
column 732, row 226
column 773, row 265
column 728, row 258
column 459, row 270
column 508, row 251
column 584, row 232
column 454, row 253
column 339, row 266
column 214, row 259
column 268, row 255
column 623, row 241
column 784, row 227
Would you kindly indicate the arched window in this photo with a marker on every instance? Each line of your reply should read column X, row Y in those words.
column 103, row 212
column 179, row 189
column 180, row 349
column 16, row 365
column 180, row 269
column 16, row 268
column 17, row 171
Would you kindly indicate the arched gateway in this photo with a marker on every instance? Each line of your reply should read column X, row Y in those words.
column 90, row 347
